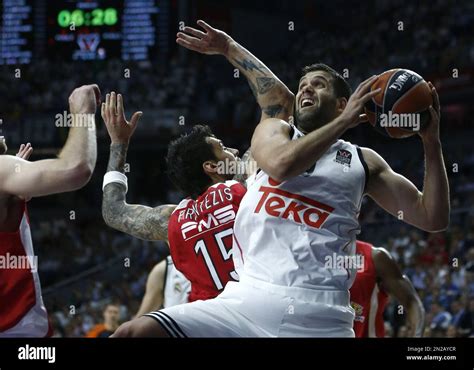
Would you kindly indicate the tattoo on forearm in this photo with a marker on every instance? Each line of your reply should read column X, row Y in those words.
column 253, row 88
column 118, row 156
column 273, row 110
column 137, row 220
column 264, row 84
column 250, row 65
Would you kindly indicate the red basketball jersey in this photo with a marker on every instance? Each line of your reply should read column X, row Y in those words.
column 200, row 234
column 367, row 299
column 22, row 311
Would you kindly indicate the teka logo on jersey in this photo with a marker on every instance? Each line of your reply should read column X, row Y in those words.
column 298, row 208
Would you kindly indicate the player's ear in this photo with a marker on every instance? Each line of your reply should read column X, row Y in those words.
column 341, row 104
column 210, row 167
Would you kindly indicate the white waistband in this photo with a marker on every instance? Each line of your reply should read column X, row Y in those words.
column 326, row 296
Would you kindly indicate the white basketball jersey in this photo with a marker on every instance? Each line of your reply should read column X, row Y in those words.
column 295, row 233
column 177, row 287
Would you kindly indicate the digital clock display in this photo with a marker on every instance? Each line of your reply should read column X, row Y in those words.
column 96, row 17
column 101, row 29
column 83, row 30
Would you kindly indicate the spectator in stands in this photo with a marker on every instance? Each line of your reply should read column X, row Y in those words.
column 111, row 322
column 441, row 318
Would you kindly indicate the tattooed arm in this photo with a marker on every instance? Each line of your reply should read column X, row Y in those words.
column 140, row 221
column 273, row 97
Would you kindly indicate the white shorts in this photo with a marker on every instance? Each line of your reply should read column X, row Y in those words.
column 253, row 308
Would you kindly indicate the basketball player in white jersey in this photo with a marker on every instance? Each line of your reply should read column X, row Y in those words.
column 165, row 287
column 299, row 218
column 22, row 312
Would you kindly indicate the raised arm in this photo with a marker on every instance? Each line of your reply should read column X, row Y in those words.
column 399, row 286
column 427, row 210
column 75, row 163
column 140, row 221
column 282, row 158
column 273, row 97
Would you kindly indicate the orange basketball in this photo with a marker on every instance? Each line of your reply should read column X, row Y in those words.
column 400, row 109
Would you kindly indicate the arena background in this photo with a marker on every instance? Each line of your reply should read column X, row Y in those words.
column 84, row 264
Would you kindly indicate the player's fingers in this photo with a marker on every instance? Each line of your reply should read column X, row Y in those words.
column 205, row 25
column 120, row 110
column 107, row 106
column 190, row 39
column 113, row 103
column 21, row 148
column 365, row 84
column 435, row 95
column 194, row 32
column 370, row 95
column 28, row 153
column 102, row 112
column 134, row 120
column 188, row 45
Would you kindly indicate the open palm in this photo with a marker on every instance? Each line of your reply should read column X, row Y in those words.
column 212, row 41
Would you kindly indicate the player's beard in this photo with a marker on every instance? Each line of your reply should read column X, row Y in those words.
column 316, row 118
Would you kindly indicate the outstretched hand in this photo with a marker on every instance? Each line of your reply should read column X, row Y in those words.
column 211, row 41
column 120, row 130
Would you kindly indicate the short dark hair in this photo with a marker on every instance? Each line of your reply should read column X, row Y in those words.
column 340, row 85
column 185, row 157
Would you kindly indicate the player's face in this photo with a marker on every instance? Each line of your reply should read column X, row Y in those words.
column 316, row 101
column 3, row 145
column 223, row 153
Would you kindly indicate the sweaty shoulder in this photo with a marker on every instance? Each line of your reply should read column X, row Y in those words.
column 271, row 127
column 375, row 162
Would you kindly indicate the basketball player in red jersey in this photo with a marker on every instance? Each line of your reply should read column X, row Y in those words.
column 198, row 228
column 379, row 278
column 22, row 312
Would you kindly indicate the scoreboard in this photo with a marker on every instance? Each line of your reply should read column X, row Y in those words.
column 83, row 30
column 16, row 31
